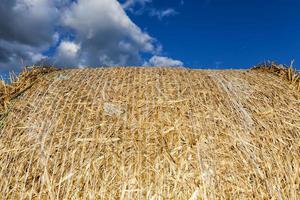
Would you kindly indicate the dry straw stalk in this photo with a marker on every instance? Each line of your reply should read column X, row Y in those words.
column 151, row 133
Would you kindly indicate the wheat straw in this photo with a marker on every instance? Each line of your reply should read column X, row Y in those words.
column 151, row 133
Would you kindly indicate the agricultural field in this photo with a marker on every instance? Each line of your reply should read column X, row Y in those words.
column 150, row 133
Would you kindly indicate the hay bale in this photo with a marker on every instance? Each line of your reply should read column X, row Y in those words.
column 20, row 84
column 152, row 133
column 284, row 71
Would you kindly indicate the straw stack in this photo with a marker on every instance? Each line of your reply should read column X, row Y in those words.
column 152, row 133
column 20, row 84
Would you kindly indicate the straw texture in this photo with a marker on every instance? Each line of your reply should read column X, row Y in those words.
column 152, row 133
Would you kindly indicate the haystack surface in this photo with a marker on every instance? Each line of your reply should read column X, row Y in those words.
column 152, row 133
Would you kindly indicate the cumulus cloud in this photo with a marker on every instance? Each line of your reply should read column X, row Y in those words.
column 161, row 61
column 106, row 34
column 14, row 55
column 76, row 33
column 67, row 53
column 21, row 19
column 26, row 28
column 68, row 49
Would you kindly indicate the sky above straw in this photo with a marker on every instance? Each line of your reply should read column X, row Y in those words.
column 197, row 34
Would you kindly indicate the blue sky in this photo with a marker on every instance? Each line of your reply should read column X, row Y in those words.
column 199, row 34
column 228, row 33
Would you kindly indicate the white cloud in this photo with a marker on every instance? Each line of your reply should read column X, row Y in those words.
column 29, row 21
column 36, row 57
column 106, row 34
column 15, row 55
column 131, row 3
column 27, row 27
column 139, row 7
column 67, row 53
column 163, row 13
column 160, row 61
column 102, row 33
column 69, row 49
